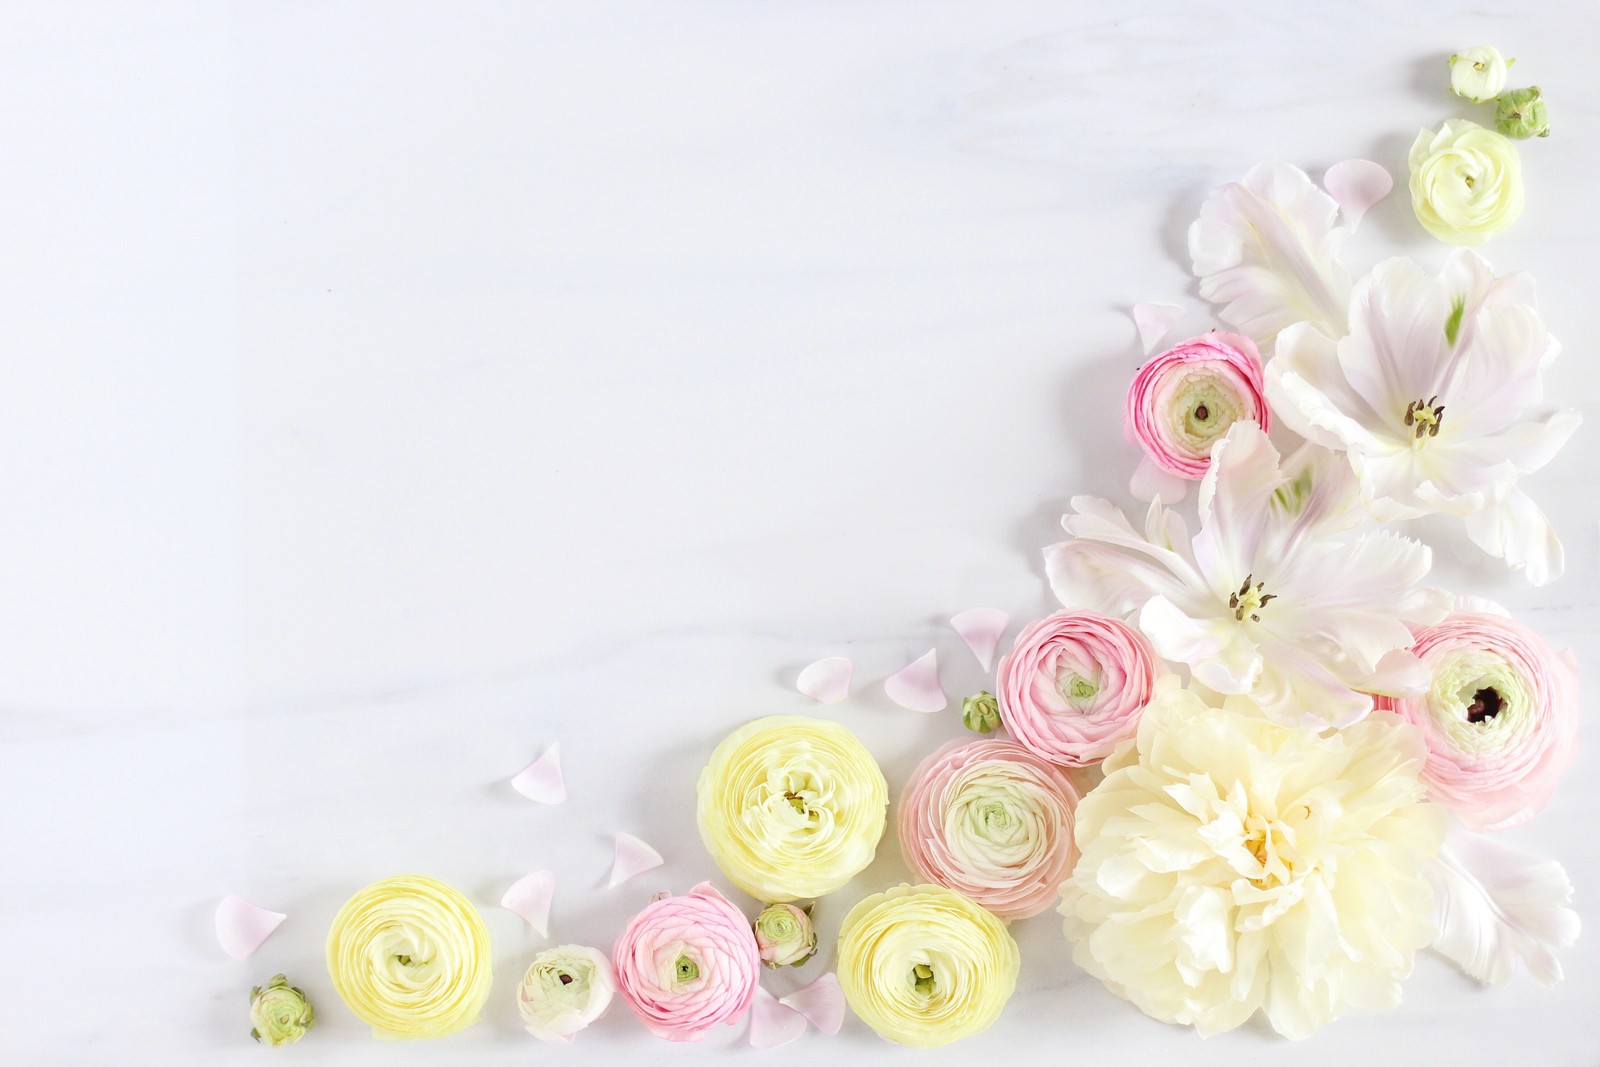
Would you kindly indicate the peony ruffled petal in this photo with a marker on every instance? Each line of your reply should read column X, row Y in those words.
column 242, row 926
column 827, row 680
column 916, row 685
column 821, row 1002
column 530, row 898
column 633, row 857
column 542, row 780
column 773, row 1023
column 981, row 628
column 1154, row 321
column 1356, row 185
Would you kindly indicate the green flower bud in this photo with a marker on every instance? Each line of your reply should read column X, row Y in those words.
column 785, row 936
column 1521, row 114
column 279, row 1013
column 980, row 712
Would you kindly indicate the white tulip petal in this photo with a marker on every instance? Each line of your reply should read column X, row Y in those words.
column 1356, row 185
column 530, row 897
column 827, row 680
column 633, row 857
column 915, row 686
column 542, row 780
column 1154, row 321
column 242, row 926
column 821, row 1002
column 1518, row 532
column 1150, row 482
column 981, row 628
column 1497, row 905
column 773, row 1023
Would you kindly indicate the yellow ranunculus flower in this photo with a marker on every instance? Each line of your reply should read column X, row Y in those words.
column 1466, row 182
column 925, row 966
column 410, row 956
column 791, row 807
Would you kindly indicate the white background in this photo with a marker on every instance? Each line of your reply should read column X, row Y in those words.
column 390, row 390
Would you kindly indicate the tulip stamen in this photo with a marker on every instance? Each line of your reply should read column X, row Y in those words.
column 1249, row 601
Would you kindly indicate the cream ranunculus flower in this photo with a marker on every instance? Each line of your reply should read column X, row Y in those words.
column 1466, row 182
column 565, row 989
column 1231, row 864
column 1478, row 74
column 925, row 966
column 279, row 1013
column 791, row 807
column 410, row 956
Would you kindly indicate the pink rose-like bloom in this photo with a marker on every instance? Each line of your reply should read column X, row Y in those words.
column 1183, row 401
column 1074, row 684
column 686, row 963
column 1500, row 717
column 992, row 821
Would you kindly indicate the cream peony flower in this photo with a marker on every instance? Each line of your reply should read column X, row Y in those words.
column 791, row 807
column 1466, row 182
column 925, row 966
column 565, row 989
column 1231, row 864
column 1478, row 74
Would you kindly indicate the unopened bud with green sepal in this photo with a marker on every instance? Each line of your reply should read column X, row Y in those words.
column 1521, row 114
column 980, row 712
column 279, row 1013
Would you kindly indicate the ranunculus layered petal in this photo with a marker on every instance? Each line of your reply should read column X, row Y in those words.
column 564, row 990
column 1184, row 400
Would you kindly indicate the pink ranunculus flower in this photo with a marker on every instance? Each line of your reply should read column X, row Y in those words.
column 1074, row 684
column 686, row 963
column 1500, row 716
column 992, row 821
column 1183, row 401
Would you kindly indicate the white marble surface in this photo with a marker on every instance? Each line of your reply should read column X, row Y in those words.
column 391, row 389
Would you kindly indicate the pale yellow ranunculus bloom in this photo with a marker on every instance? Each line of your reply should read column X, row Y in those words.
column 925, row 966
column 791, row 807
column 410, row 956
column 1466, row 182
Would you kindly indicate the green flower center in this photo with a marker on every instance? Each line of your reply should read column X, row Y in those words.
column 685, row 969
column 922, row 979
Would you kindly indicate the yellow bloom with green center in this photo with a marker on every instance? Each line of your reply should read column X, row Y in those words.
column 410, row 956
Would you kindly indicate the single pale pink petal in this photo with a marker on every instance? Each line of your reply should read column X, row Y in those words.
column 916, row 685
column 541, row 780
column 633, row 857
column 241, row 926
column 530, row 898
column 821, row 1002
column 827, row 680
column 1150, row 482
column 773, row 1023
column 981, row 628
column 1154, row 321
column 1356, row 184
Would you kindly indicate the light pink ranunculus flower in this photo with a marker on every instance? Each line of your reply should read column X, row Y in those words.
column 992, row 821
column 1184, row 400
column 1073, row 685
column 1500, row 716
column 686, row 963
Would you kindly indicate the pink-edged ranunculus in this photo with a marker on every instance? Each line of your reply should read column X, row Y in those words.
column 992, row 821
column 1184, row 400
column 1500, row 716
column 1073, row 685
column 686, row 963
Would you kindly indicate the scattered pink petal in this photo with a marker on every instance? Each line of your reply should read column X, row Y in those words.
column 542, row 780
column 241, row 926
column 1150, row 482
column 1356, row 185
column 821, row 1002
column 773, row 1023
column 981, row 628
column 530, row 898
column 633, row 857
column 827, row 680
column 1154, row 321
column 916, row 685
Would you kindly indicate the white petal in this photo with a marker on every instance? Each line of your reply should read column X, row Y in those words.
column 827, row 680
column 773, row 1023
column 1356, row 184
column 1154, row 321
column 1518, row 532
column 1150, row 482
column 821, row 1002
column 633, row 857
column 1217, row 650
column 1110, row 567
column 981, row 628
column 1267, row 249
column 916, row 685
column 1497, row 905
column 241, row 926
column 530, row 897
column 541, row 780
